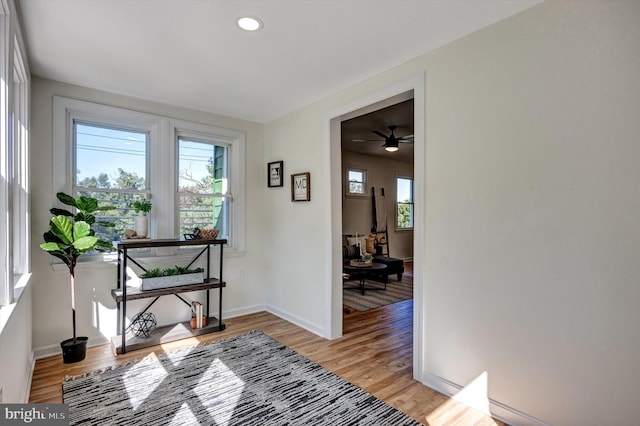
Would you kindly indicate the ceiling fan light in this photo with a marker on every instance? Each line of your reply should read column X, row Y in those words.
column 391, row 148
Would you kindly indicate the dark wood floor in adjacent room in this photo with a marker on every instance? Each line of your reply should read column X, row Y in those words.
column 375, row 353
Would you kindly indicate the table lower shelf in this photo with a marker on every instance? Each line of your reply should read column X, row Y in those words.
column 165, row 334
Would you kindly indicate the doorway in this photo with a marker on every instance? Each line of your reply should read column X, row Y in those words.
column 333, row 317
column 377, row 202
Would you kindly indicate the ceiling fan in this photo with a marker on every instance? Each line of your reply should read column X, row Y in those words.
column 390, row 142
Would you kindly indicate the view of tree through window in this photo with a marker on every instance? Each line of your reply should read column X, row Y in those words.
column 111, row 166
column 202, row 185
column 404, row 192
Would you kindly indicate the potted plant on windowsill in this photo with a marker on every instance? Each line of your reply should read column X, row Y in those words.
column 69, row 236
column 141, row 222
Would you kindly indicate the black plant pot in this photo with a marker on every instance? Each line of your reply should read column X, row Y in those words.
column 74, row 351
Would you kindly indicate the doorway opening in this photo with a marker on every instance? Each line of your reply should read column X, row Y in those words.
column 377, row 151
column 334, row 288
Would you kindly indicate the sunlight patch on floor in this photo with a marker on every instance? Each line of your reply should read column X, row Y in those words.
column 468, row 406
column 137, row 374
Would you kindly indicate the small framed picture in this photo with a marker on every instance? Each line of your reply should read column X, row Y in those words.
column 301, row 187
column 274, row 174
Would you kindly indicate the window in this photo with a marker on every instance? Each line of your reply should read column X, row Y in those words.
column 404, row 202
column 202, row 185
column 111, row 166
column 14, row 152
column 192, row 173
column 356, row 181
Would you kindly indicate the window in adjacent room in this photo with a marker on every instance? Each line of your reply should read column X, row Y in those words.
column 356, row 181
column 404, row 197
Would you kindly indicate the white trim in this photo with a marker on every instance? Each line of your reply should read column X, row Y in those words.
column 497, row 409
column 333, row 293
column 162, row 155
column 300, row 322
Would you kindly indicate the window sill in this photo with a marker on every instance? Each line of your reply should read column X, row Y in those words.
column 107, row 261
column 18, row 291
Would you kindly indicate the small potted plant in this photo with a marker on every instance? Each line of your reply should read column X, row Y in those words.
column 141, row 222
column 69, row 236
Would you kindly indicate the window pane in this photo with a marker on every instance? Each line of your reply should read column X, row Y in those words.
column 201, row 167
column 122, row 216
column 201, row 211
column 356, row 188
column 110, row 158
column 405, row 190
column 356, row 176
column 202, row 184
column 405, row 215
column 356, row 184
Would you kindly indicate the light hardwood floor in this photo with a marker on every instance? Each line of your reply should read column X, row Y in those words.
column 374, row 353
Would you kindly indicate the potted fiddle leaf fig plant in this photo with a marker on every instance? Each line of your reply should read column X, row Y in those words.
column 70, row 235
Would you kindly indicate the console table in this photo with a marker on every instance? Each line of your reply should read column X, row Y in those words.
column 126, row 341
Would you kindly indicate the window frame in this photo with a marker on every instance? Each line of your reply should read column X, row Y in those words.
column 162, row 158
column 365, row 182
column 235, row 143
column 411, row 203
column 15, row 231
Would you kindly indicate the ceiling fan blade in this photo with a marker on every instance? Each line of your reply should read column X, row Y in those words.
column 379, row 133
column 366, row 140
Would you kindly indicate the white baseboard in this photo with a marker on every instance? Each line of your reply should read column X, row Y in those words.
column 51, row 350
column 314, row 328
column 497, row 409
column 232, row 313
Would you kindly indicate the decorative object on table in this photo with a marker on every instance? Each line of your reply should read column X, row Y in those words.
column 69, row 236
column 157, row 278
column 194, row 235
column 206, row 233
column 301, row 187
column 141, row 222
column 246, row 371
column 275, row 171
column 143, row 324
column 198, row 319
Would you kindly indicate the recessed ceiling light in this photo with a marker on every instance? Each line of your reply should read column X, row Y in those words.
column 249, row 23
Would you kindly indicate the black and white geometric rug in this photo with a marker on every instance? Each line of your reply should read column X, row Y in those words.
column 249, row 379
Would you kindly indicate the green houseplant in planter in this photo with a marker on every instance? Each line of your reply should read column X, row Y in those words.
column 69, row 236
column 141, row 222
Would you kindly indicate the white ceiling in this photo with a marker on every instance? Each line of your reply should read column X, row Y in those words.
column 190, row 53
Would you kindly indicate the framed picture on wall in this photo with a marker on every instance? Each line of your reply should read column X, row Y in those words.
column 274, row 174
column 301, row 187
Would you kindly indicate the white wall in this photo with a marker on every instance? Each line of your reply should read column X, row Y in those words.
column 357, row 211
column 533, row 214
column 16, row 356
column 96, row 308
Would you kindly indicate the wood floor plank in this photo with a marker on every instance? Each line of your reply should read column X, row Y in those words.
column 375, row 353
